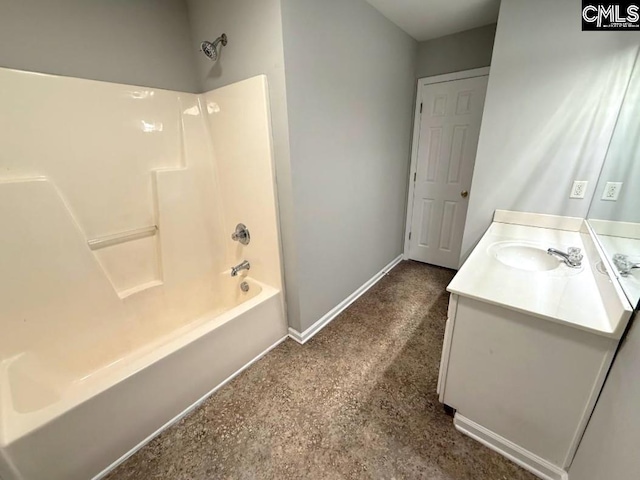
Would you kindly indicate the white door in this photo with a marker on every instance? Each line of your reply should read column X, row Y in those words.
column 449, row 126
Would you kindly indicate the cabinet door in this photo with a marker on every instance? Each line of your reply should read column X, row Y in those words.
column 528, row 380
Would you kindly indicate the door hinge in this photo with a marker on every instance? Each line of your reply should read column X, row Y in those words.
column 420, row 108
column 414, row 176
column 409, row 235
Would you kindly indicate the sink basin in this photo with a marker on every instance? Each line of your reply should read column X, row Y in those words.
column 523, row 256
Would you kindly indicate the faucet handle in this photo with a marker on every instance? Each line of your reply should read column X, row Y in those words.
column 575, row 254
column 622, row 263
column 241, row 234
column 620, row 257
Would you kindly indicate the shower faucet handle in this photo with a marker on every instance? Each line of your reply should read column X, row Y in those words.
column 241, row 234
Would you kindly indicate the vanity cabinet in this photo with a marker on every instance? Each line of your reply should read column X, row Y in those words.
column 528, row 345
column 520, row 383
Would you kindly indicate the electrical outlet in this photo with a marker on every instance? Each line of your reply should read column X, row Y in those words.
column 612, row 191
column 579, row 189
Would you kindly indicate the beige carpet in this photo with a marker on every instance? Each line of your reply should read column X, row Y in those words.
column 357, row 401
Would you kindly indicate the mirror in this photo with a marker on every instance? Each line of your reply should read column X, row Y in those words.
column 615, row 209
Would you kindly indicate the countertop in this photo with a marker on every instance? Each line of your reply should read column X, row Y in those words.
column 563, row 295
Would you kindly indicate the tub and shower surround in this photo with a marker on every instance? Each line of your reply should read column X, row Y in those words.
column 117, row 307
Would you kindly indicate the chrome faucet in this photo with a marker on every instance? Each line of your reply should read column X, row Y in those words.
column 573, row 257
column 623, row 264
column 243, row 266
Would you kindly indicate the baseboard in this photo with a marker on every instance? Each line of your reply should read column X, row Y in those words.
column 305, row 336
column 184, row 413
column 527, row 460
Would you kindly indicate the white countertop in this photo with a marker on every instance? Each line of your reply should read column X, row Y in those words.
column 563, row 295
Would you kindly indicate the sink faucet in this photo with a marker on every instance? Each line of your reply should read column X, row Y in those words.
column 623, row 264
column 243, row 266
column 573, row 257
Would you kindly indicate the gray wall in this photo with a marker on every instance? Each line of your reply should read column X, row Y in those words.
column 552, row 102
column 341, row 126
column 609, row 448
column 350, row 77
column 139, row 42
column 254, row 29
column 453, row 53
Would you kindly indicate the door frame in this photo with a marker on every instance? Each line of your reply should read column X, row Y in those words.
column 417, row 124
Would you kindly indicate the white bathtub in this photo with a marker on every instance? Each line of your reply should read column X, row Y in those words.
column 54, row 425
column 117, row 309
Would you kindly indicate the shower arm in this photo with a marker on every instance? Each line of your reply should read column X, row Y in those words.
column 221, row 39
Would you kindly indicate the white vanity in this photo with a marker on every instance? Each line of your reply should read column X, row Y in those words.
column 529, row 339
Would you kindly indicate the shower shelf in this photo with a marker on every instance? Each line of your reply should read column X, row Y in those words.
column 117, row 238
column 140, row 288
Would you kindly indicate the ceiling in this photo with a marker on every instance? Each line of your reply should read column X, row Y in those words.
column 427, row 19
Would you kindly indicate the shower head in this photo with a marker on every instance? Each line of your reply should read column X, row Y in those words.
column 210, row 49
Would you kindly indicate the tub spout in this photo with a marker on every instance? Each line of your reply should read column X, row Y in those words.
column 243, row 266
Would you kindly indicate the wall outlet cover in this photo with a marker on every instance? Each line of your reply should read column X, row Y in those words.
column 612, row 191
column 579, row 189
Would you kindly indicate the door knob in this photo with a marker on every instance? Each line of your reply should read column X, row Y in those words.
column 464, row 194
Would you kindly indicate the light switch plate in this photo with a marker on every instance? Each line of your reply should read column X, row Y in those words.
column 612, row 191
column 579, row 189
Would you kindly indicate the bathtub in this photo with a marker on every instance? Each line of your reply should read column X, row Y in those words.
column 58, row 424
column 118, row 313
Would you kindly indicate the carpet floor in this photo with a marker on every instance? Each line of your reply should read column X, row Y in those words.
column 357, row 401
